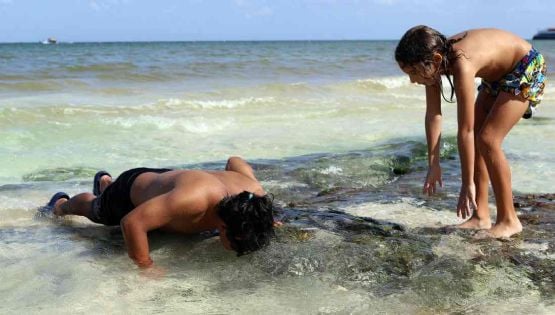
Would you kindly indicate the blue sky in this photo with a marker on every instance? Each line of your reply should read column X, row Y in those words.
column 142, row 20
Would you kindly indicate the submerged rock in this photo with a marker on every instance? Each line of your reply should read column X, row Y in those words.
column 400, row 165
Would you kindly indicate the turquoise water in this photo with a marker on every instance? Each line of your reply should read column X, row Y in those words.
column 329, row 125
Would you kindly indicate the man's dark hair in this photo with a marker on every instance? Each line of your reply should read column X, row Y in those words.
column 249, row 221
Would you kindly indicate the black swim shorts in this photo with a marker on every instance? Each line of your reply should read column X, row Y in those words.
column 115, row 201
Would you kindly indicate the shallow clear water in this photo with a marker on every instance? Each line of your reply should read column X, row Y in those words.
column 335, row 132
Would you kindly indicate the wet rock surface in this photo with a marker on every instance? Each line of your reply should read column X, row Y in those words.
column 435, row 268
column 448, row 270
column 356, row 227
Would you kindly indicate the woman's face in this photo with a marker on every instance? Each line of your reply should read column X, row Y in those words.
column 422, row 75
column 425, row 75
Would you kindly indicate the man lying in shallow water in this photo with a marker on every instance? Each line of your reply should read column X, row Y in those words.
column 182, row 201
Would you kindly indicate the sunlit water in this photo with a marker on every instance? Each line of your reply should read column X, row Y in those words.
column 335, row 132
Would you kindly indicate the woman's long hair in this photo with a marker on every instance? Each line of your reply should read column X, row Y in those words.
column 418, row 46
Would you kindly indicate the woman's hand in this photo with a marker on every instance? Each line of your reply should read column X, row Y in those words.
column 153, row 272
column 433, row 177
column 467, row 201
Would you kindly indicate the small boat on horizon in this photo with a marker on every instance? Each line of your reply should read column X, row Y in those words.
column 545, row 34
column 50, row 41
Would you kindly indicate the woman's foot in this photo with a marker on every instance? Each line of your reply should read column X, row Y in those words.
column 501, row 230
column 475, row 223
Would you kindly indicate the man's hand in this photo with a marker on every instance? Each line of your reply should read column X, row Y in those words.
column 433, row 177
column 467, row 201
column 237, row 164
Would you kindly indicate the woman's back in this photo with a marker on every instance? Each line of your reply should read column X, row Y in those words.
column 491, row 52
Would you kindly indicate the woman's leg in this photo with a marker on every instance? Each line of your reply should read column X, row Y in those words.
column 480, row 217
column 505, row 113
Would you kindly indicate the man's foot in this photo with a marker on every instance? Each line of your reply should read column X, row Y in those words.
column 105, row 181
column 101, row 180
column 475, row 223
column 500, row 230
column 54, row 205
column 58, row 210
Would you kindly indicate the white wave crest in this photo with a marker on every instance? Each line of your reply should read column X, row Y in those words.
column 193, row 125
column 386, row 82
column 225, row 103
column 332, row 170
column 390, row 83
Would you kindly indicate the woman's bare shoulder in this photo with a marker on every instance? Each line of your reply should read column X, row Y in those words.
column 487, row 39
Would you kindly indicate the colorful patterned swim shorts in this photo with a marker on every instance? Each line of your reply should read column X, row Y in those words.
column 527, row 78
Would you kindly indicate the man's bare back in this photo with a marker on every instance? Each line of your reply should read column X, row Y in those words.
column 201, row 190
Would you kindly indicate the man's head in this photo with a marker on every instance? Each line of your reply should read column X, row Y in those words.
column 248, row 221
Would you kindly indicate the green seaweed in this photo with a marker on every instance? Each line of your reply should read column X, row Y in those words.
column 59, row 174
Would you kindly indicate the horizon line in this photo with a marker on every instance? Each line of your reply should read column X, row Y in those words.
column 193, row 41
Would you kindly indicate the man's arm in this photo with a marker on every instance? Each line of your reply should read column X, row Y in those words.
column 149, row 216
column 237, row 164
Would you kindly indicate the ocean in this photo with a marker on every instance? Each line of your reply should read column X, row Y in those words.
column 334, row 130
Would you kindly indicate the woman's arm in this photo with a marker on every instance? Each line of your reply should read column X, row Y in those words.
column 464, row 88
column 432, row 123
